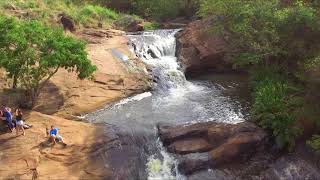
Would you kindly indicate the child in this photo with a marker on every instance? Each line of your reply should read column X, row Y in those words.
column 19, row 122
column 54, row 136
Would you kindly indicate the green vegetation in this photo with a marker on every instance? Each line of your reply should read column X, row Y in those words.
column 160, row 10
column 273, row 106
column 155, row 9
column 84, row 13
column 263, row 33
column 32, row 53
column 314, row 143
column 46, row 11
column 90, row 14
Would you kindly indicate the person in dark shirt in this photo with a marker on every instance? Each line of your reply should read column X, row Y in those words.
column 19, row 122
column 7, row 114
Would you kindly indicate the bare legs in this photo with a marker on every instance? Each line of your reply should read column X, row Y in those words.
column 56, row 139
column 20, row 128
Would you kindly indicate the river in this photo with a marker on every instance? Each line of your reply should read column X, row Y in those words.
column 173, row 100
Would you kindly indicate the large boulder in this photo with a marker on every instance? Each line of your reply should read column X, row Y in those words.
column 200, row 50
column 223, row 143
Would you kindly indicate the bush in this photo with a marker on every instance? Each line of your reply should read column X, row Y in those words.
column 314, row 143
column 265, row 32
column 151, row 26
column 273, row 107
column 125, row 20
column 92, row 14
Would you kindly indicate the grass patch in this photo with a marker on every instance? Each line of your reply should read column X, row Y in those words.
column 46, row 11
column 151, row 26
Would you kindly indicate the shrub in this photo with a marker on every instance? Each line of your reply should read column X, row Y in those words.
column 314, row 143
column 273, row 107
column 125, row 20
column 151, row 26
column 92, row 14
column 159, row 10
column 265, row 32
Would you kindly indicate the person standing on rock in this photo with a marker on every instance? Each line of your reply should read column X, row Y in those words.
column 19, row 122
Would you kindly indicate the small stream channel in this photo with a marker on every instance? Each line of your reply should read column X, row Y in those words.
column 174, row 100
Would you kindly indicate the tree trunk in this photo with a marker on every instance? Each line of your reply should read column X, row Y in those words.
column 15, row 82
column 34, row 96
column 31, row 97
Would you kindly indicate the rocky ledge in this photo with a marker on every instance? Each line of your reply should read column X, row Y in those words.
column 221, row 143
column 199, row 50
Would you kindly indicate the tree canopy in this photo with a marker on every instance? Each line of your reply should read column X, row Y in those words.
column 32, row 53
column 277, row 39
column 262, row 31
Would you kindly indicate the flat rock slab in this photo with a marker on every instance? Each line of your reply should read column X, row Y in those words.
column 224, row 143
column 190, row 146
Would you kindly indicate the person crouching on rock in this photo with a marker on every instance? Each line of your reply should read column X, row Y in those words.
column 19, row 122
column 55, row 136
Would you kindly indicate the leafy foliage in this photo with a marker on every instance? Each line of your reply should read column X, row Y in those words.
column 273, row 107
column 84, row 13
column 314, row 143
column 88, row 14
column 32, row 53
column 261, row 31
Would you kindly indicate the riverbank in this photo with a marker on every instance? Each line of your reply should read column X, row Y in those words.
column 30, row 156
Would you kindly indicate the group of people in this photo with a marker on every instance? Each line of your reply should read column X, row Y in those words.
column 18, row 124
column 13, row 124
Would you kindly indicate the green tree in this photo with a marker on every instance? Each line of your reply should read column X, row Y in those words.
column 32, row 53
column 263, row 34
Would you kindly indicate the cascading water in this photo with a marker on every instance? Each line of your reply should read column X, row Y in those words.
column 157, row 49
column 173, row 101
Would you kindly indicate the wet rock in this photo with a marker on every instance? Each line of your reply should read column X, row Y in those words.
column 224, row 143
column 291, row 167
column 189, row 166
column 190, row 146
column 135, row 26
column 212, row 174
column 201, row 51
column 169, row 134
column 240, row 146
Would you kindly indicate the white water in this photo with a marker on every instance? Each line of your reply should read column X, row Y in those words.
column 174, row 101
column 133, row 98
column 157, row 49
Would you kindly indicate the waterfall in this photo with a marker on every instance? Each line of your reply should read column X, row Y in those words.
column 174, row 100
column 157, row 49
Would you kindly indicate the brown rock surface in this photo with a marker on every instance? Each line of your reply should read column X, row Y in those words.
column 190, row 146
column 200, row 51
column 30, row 156
column 224, row 143
column 66, row 95
column 85, row 157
